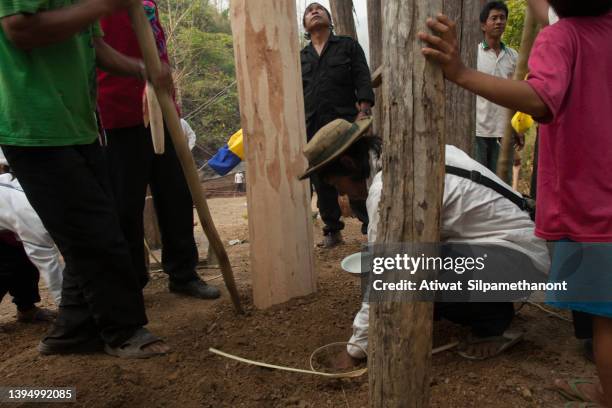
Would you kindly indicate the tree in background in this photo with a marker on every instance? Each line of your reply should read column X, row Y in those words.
column 200, row 47
column 516, row 20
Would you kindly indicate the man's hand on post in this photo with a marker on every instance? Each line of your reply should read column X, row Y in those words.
column 443, row 46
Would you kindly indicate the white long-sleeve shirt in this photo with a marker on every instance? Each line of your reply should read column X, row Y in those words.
column 471, row 212
column 18, row 216
column 189, row 134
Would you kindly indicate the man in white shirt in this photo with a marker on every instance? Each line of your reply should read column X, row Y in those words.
column 239, row 181
column 494, row 58
column 26, row 249
column 472, row 213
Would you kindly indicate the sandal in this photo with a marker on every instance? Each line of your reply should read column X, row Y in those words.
column 581, row 404
column 505, row 341
column 134, row 346
column 92, row 345
column 575, row 394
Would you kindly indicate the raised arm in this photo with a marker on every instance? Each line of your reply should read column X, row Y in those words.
column 443, row 48
column 27, row 31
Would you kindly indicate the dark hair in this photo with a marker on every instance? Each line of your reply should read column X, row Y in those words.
column 331, row 26
column 493, row 5
column 588, row 8
column 360, row 153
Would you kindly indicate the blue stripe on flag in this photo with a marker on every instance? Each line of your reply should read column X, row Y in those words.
column 224, row 161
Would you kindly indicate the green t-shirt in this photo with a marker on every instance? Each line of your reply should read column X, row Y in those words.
column 48, row 94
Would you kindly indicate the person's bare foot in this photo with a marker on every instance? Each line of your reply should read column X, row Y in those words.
column 482, row 348
column 581, row 390
column 36, row 314
column 159, row 347
column 142, row 344
column 481, row 351
column 343, row 361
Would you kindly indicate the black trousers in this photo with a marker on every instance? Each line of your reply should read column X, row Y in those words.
column 18, row 276
column 70, row 190
column 485, row 319
column 583, row 325
column 133, row 165
column 329, row 209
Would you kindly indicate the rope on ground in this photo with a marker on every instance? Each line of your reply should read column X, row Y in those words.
column 550, row 312
column 312, row 371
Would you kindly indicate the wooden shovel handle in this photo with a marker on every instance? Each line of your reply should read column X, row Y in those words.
column 146, row 41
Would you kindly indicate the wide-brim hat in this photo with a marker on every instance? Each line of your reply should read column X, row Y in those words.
column 331, row 141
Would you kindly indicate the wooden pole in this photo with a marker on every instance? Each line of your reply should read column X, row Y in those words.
column 460, row 103
column 342, row 14
column 413, row 174
column 506, row 154
column 146, row 41
column 375, row 23
column 272, row 114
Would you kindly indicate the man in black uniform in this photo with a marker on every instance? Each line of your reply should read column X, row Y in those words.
column 337, row 85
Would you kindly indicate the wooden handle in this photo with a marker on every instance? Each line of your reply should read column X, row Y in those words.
column 146, row 41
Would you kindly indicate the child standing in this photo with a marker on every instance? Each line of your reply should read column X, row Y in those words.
column 569, row 92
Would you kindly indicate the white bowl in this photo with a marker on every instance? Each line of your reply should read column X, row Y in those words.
column 352, row 264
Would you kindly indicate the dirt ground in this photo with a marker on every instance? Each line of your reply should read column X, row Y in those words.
column 287, row 334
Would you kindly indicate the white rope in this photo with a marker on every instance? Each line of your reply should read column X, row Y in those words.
column 312, row 371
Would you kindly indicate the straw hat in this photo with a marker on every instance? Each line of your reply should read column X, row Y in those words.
column 331, row 141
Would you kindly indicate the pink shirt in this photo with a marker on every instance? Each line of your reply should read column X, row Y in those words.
column 571, row 70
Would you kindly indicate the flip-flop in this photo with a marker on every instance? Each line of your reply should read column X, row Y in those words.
column 93, row 345
column 134, row 346
column 506, row 340
column 581, row 404
column 575, row 394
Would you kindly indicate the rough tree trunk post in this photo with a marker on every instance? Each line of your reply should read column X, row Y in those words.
column 413, row 175
column 342, row 14
column 460, row 103
column 272, row 114
column 506, row 154
column 375, row 36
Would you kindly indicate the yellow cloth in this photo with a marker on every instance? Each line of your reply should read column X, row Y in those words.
column 235, row 144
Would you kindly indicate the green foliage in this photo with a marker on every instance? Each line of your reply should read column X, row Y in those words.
column 516, row 21
column 201, row 51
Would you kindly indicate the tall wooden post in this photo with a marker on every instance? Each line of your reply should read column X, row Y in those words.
column 506, row 154
column 375, row 23
column 460, row 103
column 272, row 115
column 342, row 14
column 413, row 181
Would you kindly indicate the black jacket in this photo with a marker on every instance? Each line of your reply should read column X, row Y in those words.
column 334, row 82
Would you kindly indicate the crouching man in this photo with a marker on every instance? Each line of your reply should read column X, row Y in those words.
column 26, row 251
column 472, row 212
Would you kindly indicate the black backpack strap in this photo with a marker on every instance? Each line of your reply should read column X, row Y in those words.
column 477, row 177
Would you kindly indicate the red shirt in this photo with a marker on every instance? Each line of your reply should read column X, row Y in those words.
column 120, row 98
column 9, row 238
column 570, row 69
